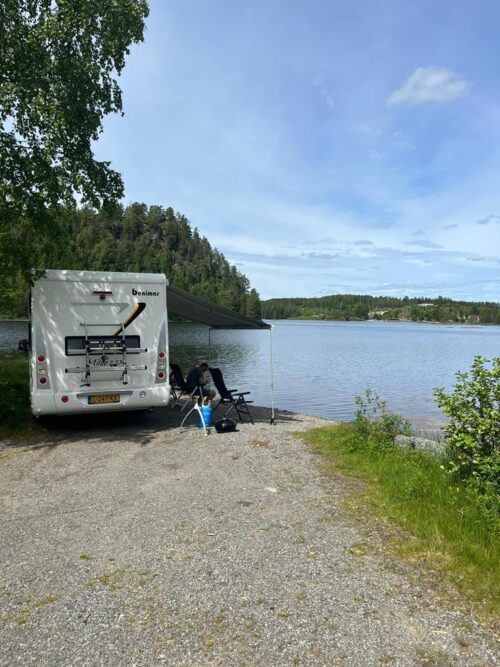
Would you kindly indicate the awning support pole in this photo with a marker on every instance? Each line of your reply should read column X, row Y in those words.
column 209, row 353
column 272, row 420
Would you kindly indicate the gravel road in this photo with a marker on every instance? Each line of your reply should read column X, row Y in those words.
column 129, row 542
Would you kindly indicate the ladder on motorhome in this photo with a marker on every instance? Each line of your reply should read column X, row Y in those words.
column 115, row 344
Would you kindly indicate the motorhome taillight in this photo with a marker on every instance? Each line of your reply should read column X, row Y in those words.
column 65, row 398
column 42, row 380
column 41, row 369
column 162, row 355
column 41, row 358
column 161, row 375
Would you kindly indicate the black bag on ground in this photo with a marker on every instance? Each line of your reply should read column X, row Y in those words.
column 225, row 425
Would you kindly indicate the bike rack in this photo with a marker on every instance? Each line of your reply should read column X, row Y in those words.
column 120, row 347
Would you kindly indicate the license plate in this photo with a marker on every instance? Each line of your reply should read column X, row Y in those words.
column 104, row 398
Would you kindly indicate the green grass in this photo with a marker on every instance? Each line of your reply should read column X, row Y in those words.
column 454, row 528
column 15, row 413
column 14, row 368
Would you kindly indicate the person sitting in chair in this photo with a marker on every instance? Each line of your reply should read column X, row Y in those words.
column 196, row 379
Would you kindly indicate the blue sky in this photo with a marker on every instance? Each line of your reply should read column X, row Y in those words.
column 323, row 147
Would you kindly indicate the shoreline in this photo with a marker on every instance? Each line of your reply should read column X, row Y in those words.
column 2, row 320
column 392, row 321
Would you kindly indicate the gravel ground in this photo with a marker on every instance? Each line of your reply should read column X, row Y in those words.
column 129, row 542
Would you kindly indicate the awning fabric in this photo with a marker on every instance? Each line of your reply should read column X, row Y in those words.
column 191, row 307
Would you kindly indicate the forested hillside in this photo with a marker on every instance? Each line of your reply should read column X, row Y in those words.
column 364, row 307
column 137, row 238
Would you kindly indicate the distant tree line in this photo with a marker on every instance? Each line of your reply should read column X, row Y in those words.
column 137, row 238
column 364, row 307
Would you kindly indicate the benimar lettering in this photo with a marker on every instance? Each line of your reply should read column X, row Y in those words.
column 137, row 292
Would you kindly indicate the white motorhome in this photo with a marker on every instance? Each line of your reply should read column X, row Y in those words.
column 99, row 342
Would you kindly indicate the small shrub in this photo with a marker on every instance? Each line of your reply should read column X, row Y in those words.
column 473, row 433
column 372, row 418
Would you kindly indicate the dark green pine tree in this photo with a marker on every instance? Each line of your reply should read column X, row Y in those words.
column 253, row 305
column 137, row 238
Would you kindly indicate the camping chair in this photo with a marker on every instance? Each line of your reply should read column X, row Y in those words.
column 180, row 388
column 232, row 397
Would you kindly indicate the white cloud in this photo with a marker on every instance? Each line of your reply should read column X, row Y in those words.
column 327, row 95
column 319, row 255
column 491, row 219
column 429, row 84
column 328, row 98
column 424, row 243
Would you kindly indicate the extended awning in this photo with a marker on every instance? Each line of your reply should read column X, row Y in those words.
column 195, row 308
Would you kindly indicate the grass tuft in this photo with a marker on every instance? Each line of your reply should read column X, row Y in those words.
column 112, row 580
column 48, row 599
column 16, row 420
column 14, row 394
column 455, row 528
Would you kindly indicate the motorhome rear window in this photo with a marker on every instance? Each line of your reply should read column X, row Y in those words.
column 76, row 344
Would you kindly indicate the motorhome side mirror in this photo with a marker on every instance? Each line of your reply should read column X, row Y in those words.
column 23, row 345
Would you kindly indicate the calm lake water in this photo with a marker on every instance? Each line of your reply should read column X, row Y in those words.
column 320, row 366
